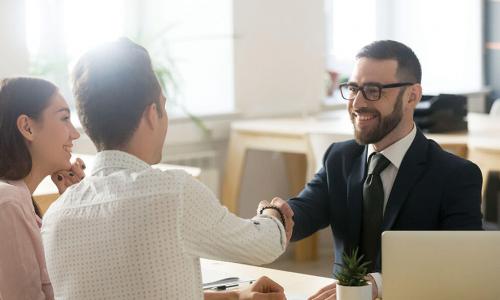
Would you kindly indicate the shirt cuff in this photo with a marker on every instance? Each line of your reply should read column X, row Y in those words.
column 278, row 223
column 378, row 281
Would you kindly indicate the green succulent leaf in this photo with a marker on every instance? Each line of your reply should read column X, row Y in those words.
column 353, row 269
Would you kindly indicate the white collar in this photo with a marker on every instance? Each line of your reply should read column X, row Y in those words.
column 396, row 152
column 116, row 159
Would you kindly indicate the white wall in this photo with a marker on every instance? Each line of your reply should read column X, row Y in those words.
column 13, row 52
column 279, row 56
column 279, row 69
column 446, row 35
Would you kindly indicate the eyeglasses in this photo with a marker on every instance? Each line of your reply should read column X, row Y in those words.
column 371, row 91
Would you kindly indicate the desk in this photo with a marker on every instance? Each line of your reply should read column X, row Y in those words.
column 47, row 192
column 296, row 285
column 487, row 159
column 291, row 137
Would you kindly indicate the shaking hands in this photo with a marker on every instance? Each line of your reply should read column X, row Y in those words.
column 286, row 212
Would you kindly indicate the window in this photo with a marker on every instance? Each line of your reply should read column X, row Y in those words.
column 200, row 38
column 191, row 39
column 351, row 24
column 446, row 35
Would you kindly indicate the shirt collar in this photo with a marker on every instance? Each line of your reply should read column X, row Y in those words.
column 396, row 152
column 118, row 160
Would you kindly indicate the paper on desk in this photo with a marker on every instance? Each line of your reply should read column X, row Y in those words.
column 215, row 276
column 211, row 277
column 295, row 297
column 220, row 282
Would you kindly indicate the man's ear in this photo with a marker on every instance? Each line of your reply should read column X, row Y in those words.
column 415, row 94
column 25, row 125
column 151, row 115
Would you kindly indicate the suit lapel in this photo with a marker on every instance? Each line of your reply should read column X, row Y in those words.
column 411, row 168
column 355, row 196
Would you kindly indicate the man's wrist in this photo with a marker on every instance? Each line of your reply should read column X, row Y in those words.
column 270, row 212
column 275, row 212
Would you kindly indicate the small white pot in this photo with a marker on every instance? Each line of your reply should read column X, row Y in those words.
column 354, row 292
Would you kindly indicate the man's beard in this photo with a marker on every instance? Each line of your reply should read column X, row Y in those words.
column 385, row 125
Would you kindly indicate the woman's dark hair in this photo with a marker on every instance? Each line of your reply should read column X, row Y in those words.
column 20, row 96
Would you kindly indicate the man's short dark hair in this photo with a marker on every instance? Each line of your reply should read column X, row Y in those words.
column 112, row 85
column 409, row 68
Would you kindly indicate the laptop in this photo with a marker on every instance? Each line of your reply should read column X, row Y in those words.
column 441, row 265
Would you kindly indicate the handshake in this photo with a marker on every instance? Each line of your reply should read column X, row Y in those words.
column 279, row 209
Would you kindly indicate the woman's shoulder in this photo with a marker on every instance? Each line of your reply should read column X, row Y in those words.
column 12, row 192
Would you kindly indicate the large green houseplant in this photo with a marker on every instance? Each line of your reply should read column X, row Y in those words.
column 166, row 70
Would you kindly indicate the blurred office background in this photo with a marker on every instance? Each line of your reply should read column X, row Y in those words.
column 224, row 61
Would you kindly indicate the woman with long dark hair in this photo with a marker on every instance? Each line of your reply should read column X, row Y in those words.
column 36, row 138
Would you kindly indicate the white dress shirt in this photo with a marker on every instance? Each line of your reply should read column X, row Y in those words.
column 129, row 231
column 395, row 154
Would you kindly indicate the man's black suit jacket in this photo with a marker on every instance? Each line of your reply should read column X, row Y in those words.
column 433, row 190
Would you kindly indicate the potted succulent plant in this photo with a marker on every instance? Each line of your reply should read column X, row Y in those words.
column 352, row 284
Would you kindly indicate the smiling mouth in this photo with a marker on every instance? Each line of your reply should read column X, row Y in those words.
column 68, row 149
column 364, row 117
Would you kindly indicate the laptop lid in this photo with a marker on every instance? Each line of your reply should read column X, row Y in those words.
column 441, row 265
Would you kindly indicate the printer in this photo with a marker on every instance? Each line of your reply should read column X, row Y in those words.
column 441, row 113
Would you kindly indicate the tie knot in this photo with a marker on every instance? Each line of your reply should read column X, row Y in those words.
column 378, row 162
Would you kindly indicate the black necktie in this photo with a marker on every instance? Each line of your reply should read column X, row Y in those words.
column 373, row 208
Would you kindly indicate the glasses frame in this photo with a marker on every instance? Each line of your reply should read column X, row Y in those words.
column 378, row 85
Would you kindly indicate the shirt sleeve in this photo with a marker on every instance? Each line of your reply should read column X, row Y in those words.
column 209, row 230
column 378, row 281
column 20, row 275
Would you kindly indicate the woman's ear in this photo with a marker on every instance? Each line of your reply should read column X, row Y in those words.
column 25, row 126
